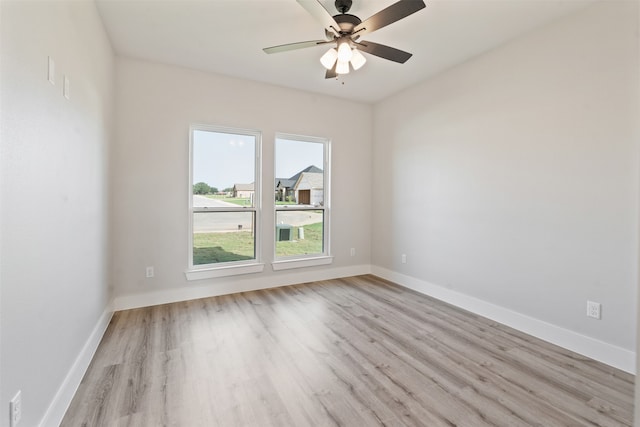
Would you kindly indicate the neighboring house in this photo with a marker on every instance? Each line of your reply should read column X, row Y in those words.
column 243, row 191
column 309, row 189
column 286, row 187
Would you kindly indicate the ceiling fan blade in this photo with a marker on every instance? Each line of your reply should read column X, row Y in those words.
column 331, row 74
column 386, row 52
column 387, row 16
column 317, row 10
column 294, row 46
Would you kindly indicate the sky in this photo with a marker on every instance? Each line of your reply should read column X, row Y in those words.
column 223, row 159
column 293, row 156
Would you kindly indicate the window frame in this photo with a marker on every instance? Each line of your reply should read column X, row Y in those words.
column 306, row 260
column 255, row 265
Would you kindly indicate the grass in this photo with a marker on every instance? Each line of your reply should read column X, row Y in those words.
column 213, row 248
column 312, row 243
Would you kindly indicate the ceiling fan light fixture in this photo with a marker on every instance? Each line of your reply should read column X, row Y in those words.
column 344, row 52
column 342, row 67
column 329, row 58
column 357, row 60
column 346, row 30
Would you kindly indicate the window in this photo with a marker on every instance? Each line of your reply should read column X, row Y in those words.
column 301, row 201
column 224, row 202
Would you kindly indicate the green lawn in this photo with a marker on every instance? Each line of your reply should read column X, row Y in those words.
column 211, row 248
column 312, row 243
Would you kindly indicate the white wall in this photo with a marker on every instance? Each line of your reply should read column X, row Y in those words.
column 53, row 200
column 518, row 171
column 156, row 104
column 513, row 178
column 636, row 417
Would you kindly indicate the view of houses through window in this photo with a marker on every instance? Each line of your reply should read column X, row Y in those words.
column 300, row 186
column 224, row 215
column 225, row 173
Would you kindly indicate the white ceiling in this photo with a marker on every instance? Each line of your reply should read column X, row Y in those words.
column 227, row 37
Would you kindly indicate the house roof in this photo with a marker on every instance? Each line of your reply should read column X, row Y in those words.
column 243, row 187
column 312, row 169
column 310, row 180
column 290, row 182
column 285, row 183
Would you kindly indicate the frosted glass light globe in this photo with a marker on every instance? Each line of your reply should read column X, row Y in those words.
column 344, row 52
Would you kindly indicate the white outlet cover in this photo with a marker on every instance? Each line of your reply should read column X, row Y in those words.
column 594, row 310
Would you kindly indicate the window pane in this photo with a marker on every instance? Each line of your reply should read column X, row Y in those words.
column 299, row 174
column 225, row 180
column 299, row 232
column 223, row 237
column 223, row 169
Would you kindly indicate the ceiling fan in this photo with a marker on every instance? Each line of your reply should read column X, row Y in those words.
column 345, row 31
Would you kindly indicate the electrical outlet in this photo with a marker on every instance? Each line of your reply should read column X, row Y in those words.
column 404, row 258
column 593, row 309
column 15, row 409
column 150, row 272
column 353, row 251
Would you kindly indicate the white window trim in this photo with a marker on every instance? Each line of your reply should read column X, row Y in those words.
column 324, row 258
column 206, row 271
column 223, row 271
column 300, row 262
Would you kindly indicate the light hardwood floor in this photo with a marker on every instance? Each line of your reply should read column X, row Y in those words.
column 358, row 351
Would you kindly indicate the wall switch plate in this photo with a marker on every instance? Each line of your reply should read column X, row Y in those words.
column 353, row 251
column 66, row 87
column 404, row 258
column 15, row 409
column 593, row 309
column 150, row 272
column 51, row 71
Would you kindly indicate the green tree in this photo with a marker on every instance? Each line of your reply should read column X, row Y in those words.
column 201, row 188
column 214, row 190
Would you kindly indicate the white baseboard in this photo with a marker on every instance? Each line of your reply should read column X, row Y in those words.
column 250, row 283
column 62, row 399
column 606, row 353
column 601, row 351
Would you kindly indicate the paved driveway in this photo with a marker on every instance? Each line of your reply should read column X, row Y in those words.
column 205, row 202
column 236, row 221
column 298, row 218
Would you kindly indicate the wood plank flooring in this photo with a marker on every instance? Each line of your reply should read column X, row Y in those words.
column 358, row 351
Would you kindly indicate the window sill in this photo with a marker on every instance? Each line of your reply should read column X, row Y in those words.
column 300, row 263
column 209, row 273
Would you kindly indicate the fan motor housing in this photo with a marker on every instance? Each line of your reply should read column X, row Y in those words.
column 346, row 22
